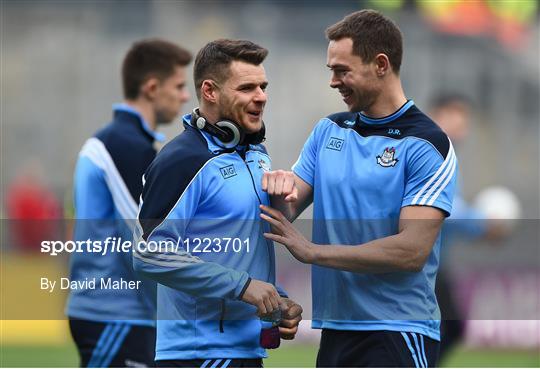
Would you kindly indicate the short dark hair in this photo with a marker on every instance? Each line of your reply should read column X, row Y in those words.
column 450, row 98
column 150, row 58
column 372, row 33
column 214, row 59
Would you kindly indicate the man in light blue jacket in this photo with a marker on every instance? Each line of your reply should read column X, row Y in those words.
column 202, row 239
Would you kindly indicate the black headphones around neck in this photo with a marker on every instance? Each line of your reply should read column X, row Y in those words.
column 229, row 133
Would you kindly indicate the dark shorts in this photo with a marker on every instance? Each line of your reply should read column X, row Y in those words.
column 211, row 363
column 114, row 344
column 376, row 349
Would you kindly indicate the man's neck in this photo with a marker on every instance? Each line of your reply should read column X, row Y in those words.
column 388, row 102
column 209, row 114
column 145, row 109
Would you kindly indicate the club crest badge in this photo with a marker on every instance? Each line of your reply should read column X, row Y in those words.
column 264, row 165
column 387, row 158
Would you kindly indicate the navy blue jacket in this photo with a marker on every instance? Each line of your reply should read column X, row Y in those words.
column 200, row 218
column 107, row 187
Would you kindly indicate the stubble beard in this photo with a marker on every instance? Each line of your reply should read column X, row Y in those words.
column 365, row 100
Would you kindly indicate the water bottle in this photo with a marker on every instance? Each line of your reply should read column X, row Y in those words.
column 270, row 329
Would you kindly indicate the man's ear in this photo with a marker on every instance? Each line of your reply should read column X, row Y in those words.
column 382, row 64
column 209, row 91
column 150, row 87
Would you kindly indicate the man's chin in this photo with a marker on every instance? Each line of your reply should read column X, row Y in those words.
column 352, row 107
column 355, row 108
column 252, row 127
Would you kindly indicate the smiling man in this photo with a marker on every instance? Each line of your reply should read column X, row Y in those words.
column 381, row 177
column 203, row 193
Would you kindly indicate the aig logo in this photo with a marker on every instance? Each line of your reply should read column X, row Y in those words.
column 335, row 144
column 228, row 171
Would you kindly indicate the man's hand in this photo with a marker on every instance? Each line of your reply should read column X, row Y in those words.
column 262, row 295
column 291, row 315
column 284, row 233
column 280, row 183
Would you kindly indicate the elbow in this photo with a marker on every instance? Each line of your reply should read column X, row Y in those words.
column 411, row 252
column 137, row 268
column 414, row 267
column 140, row 267
column 415, row 261
column 143, row 272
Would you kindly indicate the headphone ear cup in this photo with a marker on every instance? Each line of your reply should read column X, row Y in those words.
column 234, row 132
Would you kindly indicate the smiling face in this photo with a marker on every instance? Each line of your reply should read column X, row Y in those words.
column 242, row 97
column 355, row 80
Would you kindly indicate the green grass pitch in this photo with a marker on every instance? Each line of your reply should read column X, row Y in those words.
column 289, row 355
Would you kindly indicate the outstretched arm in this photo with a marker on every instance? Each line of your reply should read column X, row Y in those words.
column 406, row 251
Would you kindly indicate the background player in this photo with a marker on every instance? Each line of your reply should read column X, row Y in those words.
column 116, row 327
column 452, row 112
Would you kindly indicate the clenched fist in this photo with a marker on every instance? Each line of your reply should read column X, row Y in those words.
column 262, row 295
column 280, row 183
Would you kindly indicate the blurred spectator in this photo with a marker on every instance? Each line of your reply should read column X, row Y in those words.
column 32, row 209
column 510, row 22
column 452, row 112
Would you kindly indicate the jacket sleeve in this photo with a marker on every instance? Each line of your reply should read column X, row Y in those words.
column 169, row 202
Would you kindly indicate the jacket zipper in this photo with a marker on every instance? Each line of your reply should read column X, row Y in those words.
column 221, row 321
column 252, row 180
column 270, row 255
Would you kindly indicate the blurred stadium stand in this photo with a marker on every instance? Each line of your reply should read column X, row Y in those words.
column 61, row 74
